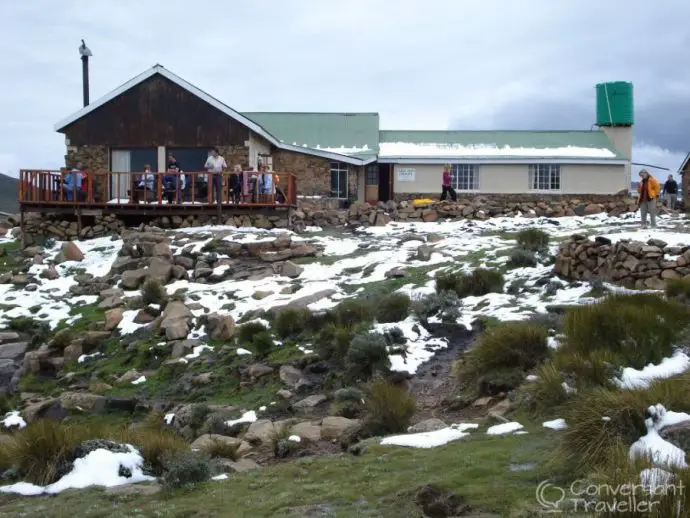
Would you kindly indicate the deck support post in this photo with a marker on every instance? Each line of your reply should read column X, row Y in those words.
column 22, row 241
column 79, row 225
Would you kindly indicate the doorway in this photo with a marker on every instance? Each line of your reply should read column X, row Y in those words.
column 385, row 182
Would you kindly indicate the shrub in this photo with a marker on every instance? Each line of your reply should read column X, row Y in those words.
column 678, row 288
column 348, row 402
column 449, row 281
column 501, row 357
column 480, row 282
column 262, row 344
column 522, row 258
column 197, row 415
column 444, row 305
column 292, row 322
column 22, row 324
column 153, row 292
column 352, row 312
column 185, row 469
column 62, row 339
column 393, row 307
column 636, row 329
column 533, row 239
column 219, row 448
column 333, row 342
column 366, row 355
column 389, row 408
column 280, row 443
column 246, row 332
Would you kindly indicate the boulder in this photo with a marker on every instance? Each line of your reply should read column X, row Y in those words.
column 310, row 402
column 72, row 352
column 113, row 317
column 133, row 279
column 260, row 431
column 50, row 273
column 290, row 269
column 176, row 320
column 334, row 427
column 207, row 440
column 82, row 401
column 428, row 425
column 69, row 252
column 293, row 377
column 129, row 376
column 258, row 370
column 13, row 351
column 220, row 327
column 308, row 431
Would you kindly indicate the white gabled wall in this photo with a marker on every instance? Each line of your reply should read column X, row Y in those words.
column 257, row 145
column 514, row 179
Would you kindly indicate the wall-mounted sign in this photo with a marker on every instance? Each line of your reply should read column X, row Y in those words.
column 405, row 174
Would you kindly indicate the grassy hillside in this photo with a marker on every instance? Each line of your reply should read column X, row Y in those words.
column 9, row 191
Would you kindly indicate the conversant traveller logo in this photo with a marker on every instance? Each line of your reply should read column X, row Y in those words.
column 583, row 496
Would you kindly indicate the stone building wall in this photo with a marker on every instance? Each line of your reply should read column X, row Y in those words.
column 632, row 264
column 94, row 158
column 312, row 173
column 235, row 155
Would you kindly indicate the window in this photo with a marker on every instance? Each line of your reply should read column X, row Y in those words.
column 465, row 177
column 545, row 177
column 338, row 180
column 190, row 160
column 373, row 175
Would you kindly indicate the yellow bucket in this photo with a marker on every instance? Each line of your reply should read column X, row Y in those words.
column 422, row 202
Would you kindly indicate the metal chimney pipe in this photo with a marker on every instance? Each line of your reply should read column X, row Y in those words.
column 85, row 54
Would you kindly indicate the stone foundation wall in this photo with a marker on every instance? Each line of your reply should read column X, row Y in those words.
column 324, row 212
column 632, row 264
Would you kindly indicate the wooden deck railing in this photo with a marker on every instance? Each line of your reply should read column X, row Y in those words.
column 64, row 188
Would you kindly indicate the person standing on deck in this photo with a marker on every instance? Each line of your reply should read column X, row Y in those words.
column 648, row 190
column 236, row 184
column 670, row 192
column 72, row 183
column 446, row 185
column 215, row 165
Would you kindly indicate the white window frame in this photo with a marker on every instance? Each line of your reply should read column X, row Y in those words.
column 465, row 177
column 545, row 177
column 340, row 169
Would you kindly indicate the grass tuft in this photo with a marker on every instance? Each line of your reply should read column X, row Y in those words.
column 393, row 307
column 388, row 408
column 153, row 292
column 533, row 239
column 480, row 282
column 502, row 356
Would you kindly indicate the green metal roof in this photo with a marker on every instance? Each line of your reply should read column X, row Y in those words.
column 514, row 139
column 355, row 134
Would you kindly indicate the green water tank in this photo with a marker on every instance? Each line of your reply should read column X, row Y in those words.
column 615, row 104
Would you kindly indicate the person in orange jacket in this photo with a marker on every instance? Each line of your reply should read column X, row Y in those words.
column 648, row 190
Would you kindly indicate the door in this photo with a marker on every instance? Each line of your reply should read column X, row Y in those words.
column 371, row 190
column 129, row 161
column 385, row 182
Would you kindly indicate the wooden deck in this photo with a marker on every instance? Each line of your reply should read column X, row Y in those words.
column 133, row 194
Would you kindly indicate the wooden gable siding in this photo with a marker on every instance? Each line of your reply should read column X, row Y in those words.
column 156, row 112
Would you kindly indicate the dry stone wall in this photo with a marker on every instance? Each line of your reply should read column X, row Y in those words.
column 325, row 213
column 632, row 264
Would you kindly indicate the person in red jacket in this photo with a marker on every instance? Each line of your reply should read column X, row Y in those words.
column 446, row 185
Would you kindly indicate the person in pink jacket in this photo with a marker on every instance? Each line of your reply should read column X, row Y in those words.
column 446, row 186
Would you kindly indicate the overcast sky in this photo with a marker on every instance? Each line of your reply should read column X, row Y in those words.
column 422, row 64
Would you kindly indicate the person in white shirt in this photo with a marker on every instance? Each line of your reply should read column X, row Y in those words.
column 215, row 165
